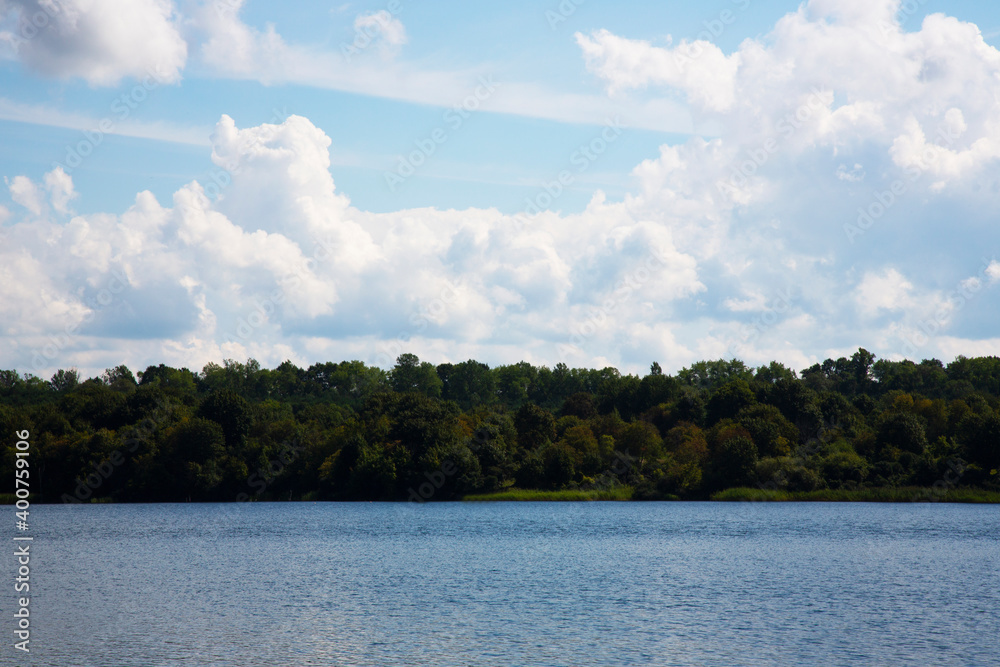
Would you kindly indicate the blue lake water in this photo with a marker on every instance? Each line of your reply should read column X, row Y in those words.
column 512, row 584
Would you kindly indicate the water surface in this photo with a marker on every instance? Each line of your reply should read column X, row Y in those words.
column 515, row 584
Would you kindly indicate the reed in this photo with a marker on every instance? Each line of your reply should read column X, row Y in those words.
column 616, row 493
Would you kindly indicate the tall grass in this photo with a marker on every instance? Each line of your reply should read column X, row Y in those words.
column 616, row 493
column 10, row 498
column 901, row 494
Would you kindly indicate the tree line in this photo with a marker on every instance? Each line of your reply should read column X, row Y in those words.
column 349, row 431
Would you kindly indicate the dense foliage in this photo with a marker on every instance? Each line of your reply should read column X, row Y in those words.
column 347, row 431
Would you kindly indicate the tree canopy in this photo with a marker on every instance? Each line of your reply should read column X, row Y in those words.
column 346, row 430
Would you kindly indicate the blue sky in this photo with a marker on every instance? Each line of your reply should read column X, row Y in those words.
column 265, row 97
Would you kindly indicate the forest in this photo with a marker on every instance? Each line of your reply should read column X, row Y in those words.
column 348, row 431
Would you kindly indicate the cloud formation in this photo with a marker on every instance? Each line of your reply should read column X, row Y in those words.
column 846, row 147
column 100, row 41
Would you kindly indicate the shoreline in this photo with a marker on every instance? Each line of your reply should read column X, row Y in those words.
column 628, row 494
column 744, row 494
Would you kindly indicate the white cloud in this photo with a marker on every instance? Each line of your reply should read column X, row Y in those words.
column 229, row 47
column 924, row 93
column 24, row 192
column 60, row 187
column 853, row 175
column 888, row 290
column 269, row 259
column 130, row 127
column 236, row 49
column 993, row 271
column 698, row 68
column 100, row 41
column 278, row 258
column 381, row 28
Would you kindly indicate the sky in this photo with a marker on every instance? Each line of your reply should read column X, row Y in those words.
column 584, row 182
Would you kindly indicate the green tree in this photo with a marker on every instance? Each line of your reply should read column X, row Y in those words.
column 580, row 404
column 901, row 432
column 734, row 462
column 729, row 399
column 119, row 378
column 535, row 426
column 195, row 449
column 469, row 383
column 410, row 375
column 64, row 381
column 233, row 413
column 771, row 432
column 641, row 440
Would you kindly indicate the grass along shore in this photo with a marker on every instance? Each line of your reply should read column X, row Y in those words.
column 901, row 494
column 617, row 493
column 905, row 494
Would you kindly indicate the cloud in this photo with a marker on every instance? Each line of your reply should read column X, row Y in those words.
column 924, row 93
column 60, row 187
column 160, row 131
column 379, row 27
column 236, row 49
column 27, row 194
column 779, row 197
column 699, row 68
column 277, row 259
column 229, row 47
column 888, row 290
column 845, row 200
column 32, row 196
column 100, row 41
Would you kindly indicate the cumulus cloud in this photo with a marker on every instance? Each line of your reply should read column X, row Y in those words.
column 24, row 192
column 699, row 68
column 236, row 49
column 100, row 41
column 60, row 187
column 267, row 256
column 923, row 93
column 844, row 143
column 888, row 290
column 845, row 148
column 55, row 191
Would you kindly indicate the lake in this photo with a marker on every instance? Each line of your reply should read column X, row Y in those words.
column 513, row 584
